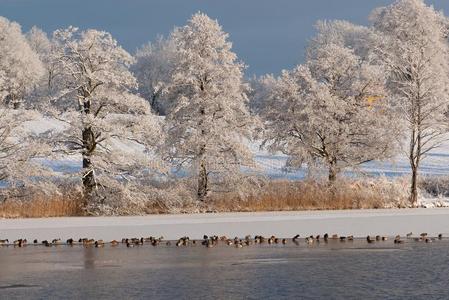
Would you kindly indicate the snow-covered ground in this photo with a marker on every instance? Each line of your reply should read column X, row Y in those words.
column 359, row 223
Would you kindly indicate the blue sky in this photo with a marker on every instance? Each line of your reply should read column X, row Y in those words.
column 268, row 35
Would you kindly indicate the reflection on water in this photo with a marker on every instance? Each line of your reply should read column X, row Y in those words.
column 335, row 270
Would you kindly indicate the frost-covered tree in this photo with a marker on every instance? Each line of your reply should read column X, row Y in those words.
column 19, row 146
column 414, row 49
column 153, row 69
column 209, row 121
column 333, row 109
column 47, row 86
column 102, row 115
column 261, row 88
column 19, row 64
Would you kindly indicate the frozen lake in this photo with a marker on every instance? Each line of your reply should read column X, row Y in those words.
column 359, row 223
column 337, row 270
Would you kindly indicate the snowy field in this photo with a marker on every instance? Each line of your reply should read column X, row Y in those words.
column 359, row 223
column 271, row 165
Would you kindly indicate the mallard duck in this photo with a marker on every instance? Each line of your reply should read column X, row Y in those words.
column 4, row 242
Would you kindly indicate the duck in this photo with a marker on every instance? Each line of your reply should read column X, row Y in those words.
column 46, row 243
column 20, row 243
column 284, row 241
column 440, row 236
column 409, row 235
column 397, row 240
column 69, row 242
column 350, row 237
column 309, row 240
column 99, row 244
column 335, row 236
column 378, row 238
column 168, row 243
column 295, row 237
column 370, row 240
column 56, row 242
column 423, row 235
column 342, row 239
column 384, row 238
column 35, row 242
column 114, row 243
column 88, row 242
column 326, row 237
column 229, row 242
column 4, row 242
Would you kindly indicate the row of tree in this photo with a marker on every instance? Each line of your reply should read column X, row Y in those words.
column 359, row 92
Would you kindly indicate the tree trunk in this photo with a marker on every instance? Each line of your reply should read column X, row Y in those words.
column 88, row 172
column 414, row 187
column 202, row 181
column 333, row 172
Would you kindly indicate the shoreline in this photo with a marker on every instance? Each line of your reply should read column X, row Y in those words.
column 360, row 223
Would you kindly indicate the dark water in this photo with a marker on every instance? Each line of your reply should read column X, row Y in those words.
column 351, row 270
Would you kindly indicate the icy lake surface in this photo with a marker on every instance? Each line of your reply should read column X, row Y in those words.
column 337, row 270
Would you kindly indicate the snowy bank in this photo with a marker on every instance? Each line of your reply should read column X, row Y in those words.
column 284, row 224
